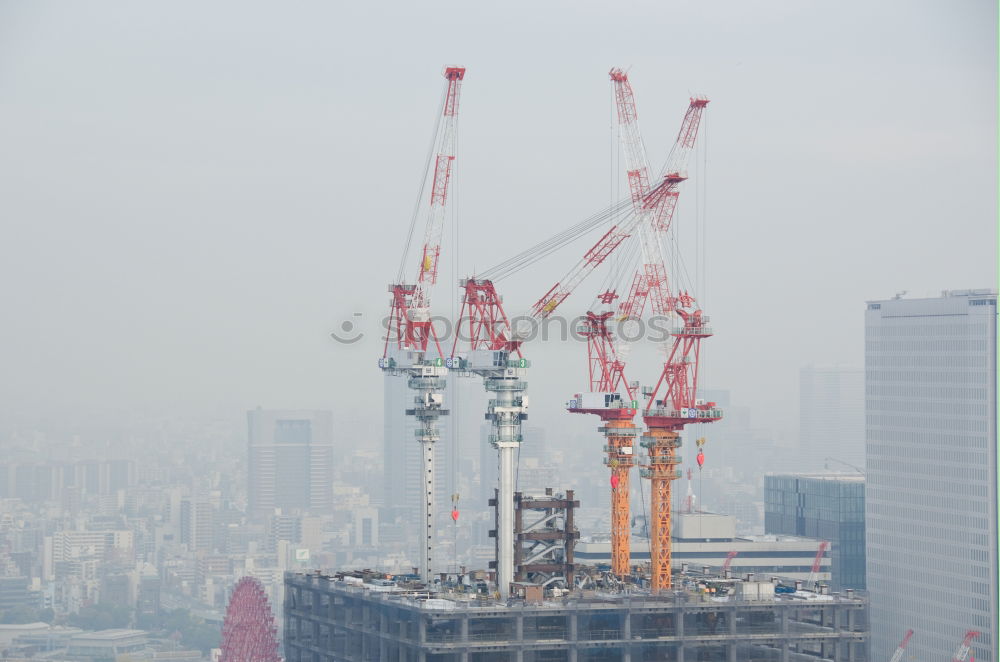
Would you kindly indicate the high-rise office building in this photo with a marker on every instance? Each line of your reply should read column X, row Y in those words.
column 931, row 493
column 290, row 461
column 831, row 417
column 197, row 524
column 829, row 507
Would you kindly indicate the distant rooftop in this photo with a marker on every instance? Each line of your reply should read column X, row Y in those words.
column 110, row 635
column 843, row 477
column 981, row 292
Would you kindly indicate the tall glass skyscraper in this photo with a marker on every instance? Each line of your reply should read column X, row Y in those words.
column 931, row 465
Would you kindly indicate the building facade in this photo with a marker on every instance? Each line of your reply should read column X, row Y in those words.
column 829, row 507
column 708, row 539
column 931, row 493
column 333, row 619
column 290, row 461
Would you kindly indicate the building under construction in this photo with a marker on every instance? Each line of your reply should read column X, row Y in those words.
column 536, row 602
column 370, row 616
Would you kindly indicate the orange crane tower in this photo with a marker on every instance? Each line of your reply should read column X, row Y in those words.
column 665, row 417
column 604, row 399
column 679, row 406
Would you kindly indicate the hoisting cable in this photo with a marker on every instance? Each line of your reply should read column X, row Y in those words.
column 557, row 241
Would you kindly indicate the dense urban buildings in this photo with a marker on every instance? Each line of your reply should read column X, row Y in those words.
column 290, row 461
column 931, row 493
column 829, row 507
column 831, row 417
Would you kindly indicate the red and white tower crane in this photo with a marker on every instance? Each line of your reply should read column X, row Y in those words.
column 962, row 652
column 898, row 655
column 650, row 280
column 412, row 348
column 655, row 208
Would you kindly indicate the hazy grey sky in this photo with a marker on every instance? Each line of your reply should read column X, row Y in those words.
column 192, row 194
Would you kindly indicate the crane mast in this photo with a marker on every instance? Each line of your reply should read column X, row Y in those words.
column 604, row 399
column 411, row 330
column 492, row 356
column 665, row 417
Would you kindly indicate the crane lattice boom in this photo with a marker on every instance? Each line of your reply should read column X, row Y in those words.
column 962, row 653
column 898, row 655
column 410, row 325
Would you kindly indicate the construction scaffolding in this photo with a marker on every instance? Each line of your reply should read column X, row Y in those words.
column 544, row 537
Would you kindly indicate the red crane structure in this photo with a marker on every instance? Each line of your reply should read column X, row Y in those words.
column 411, row 330
column 962, row 652
column 680, row 373
column 823, row 546
column 492, row 348
column 653, row 211
column 898, row 655
column 729, row 560
column 249, row 633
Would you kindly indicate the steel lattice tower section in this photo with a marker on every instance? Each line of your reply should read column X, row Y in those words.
column 249, row 633
column 411, row 328
column 664, row 419
column 606, row 375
